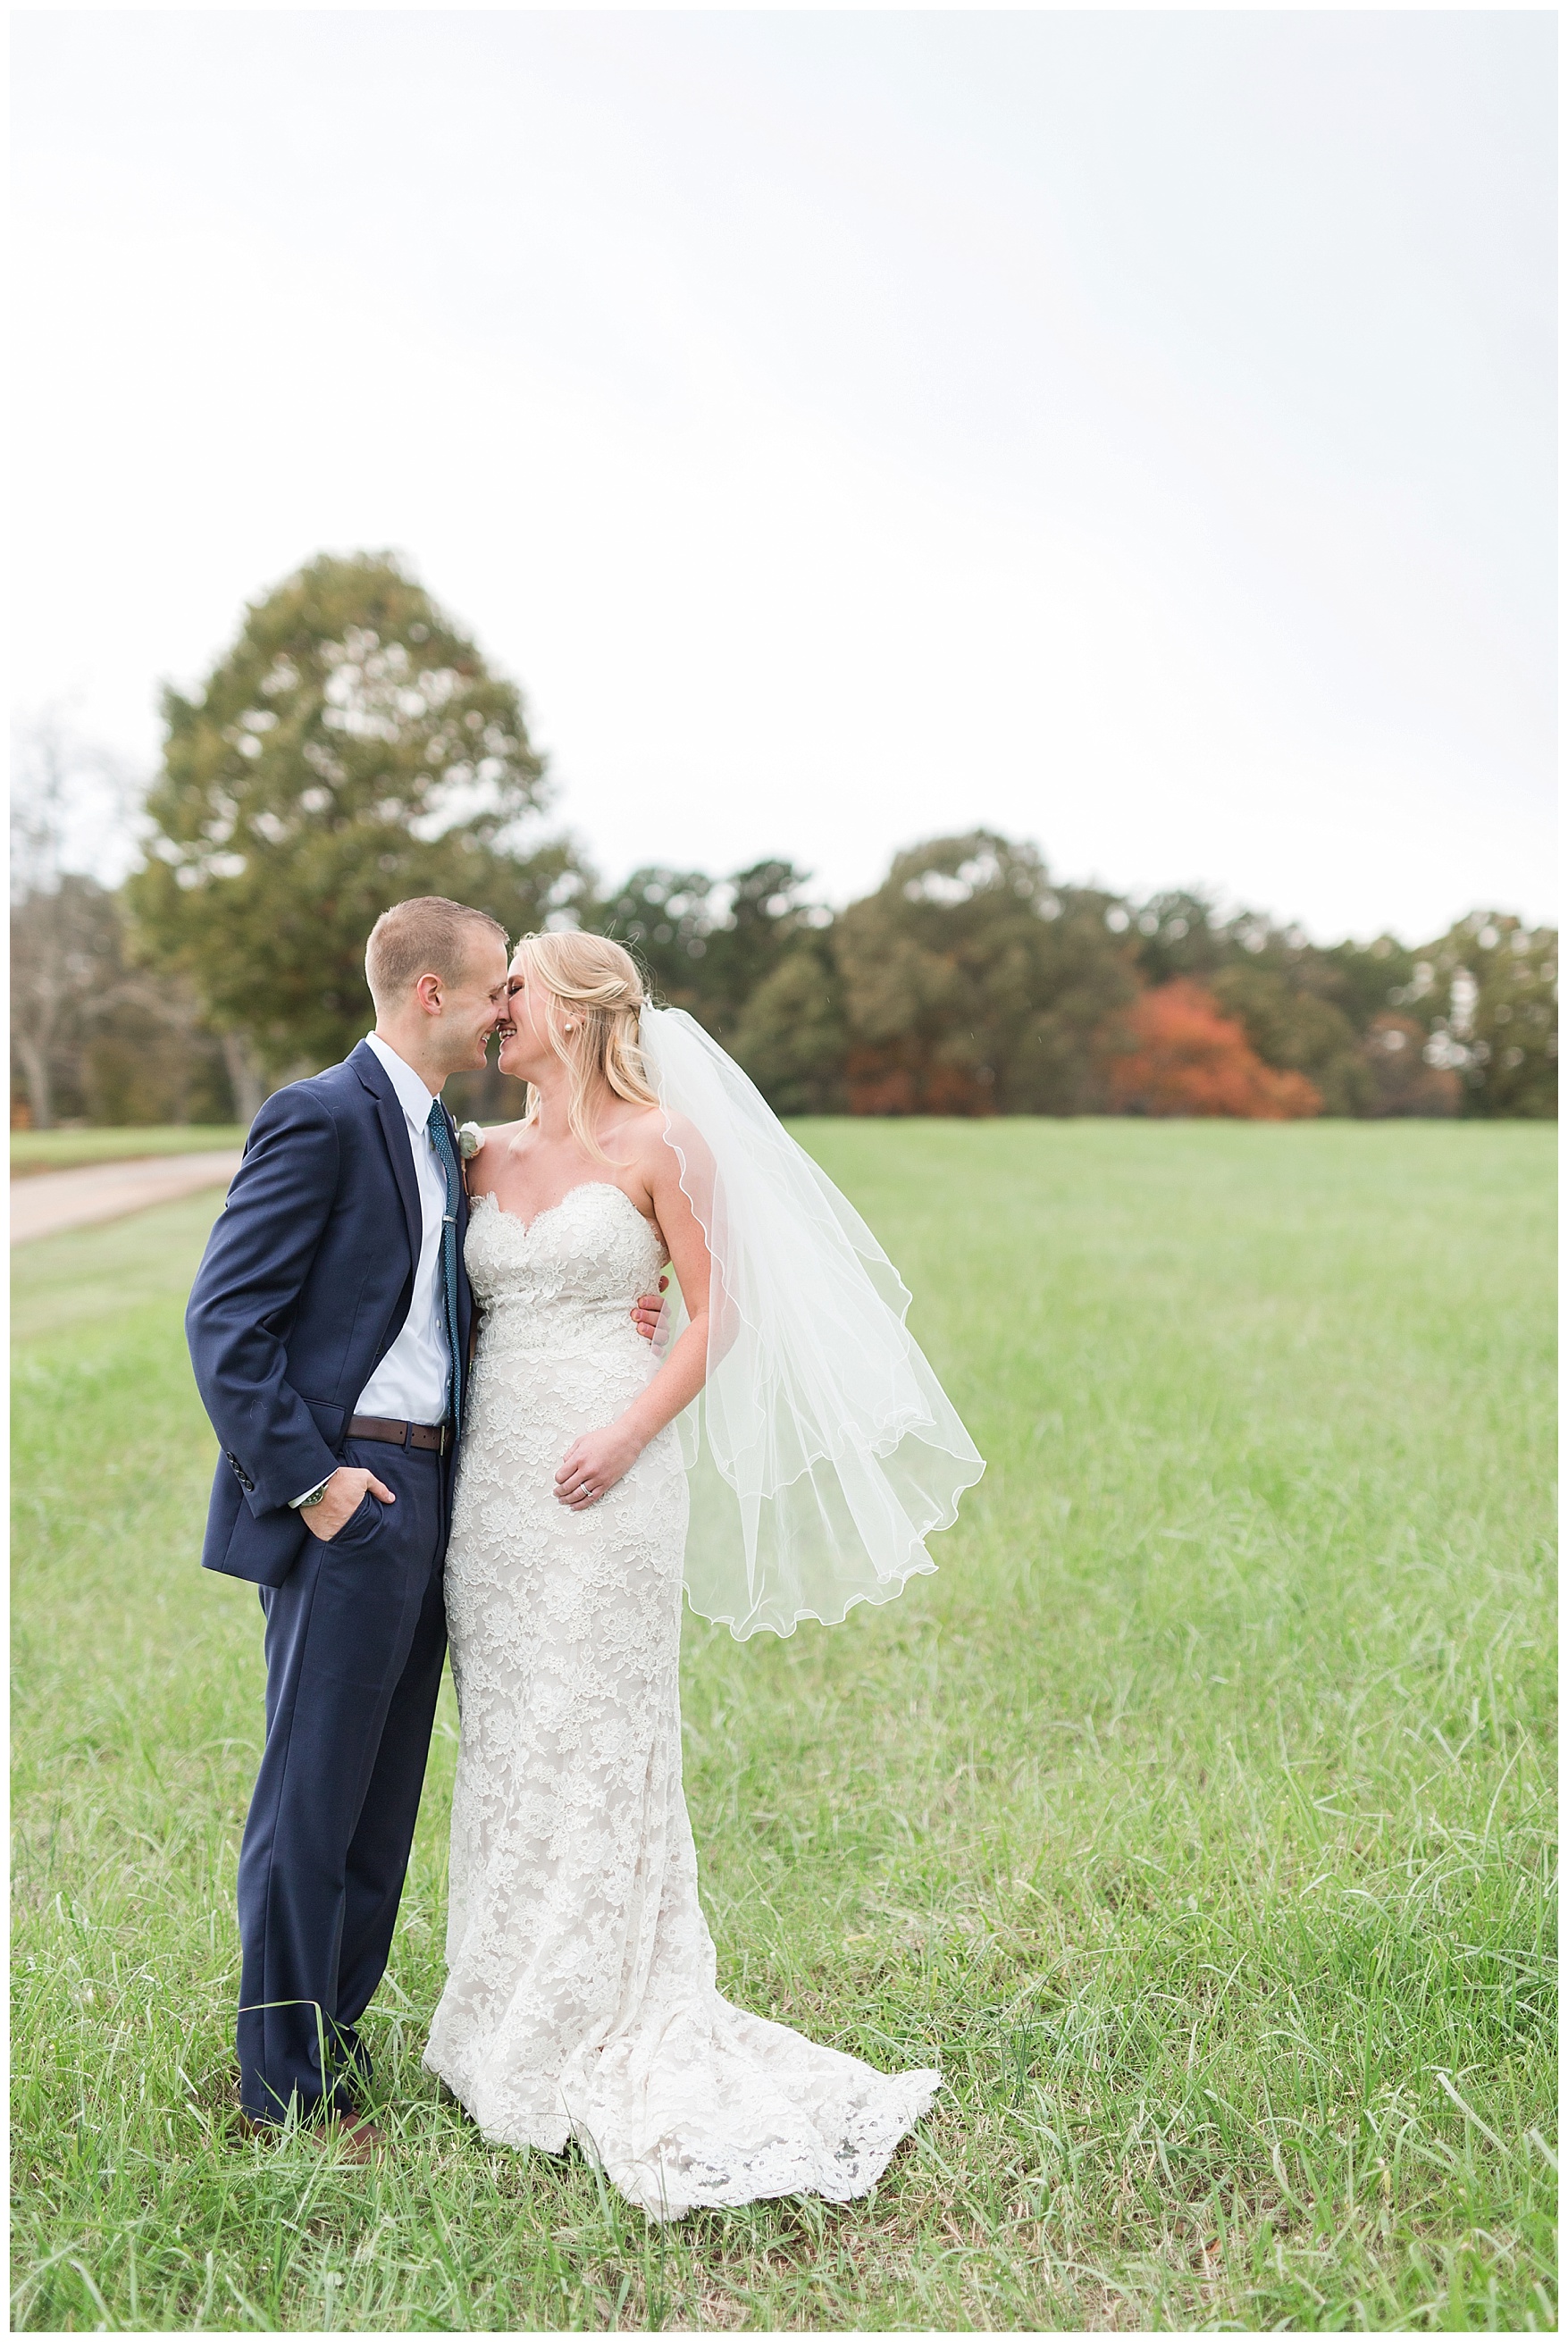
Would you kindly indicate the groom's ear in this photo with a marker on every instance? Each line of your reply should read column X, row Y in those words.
column 427, row 992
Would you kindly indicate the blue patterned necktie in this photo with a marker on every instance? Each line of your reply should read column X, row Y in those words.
column 441, row 1140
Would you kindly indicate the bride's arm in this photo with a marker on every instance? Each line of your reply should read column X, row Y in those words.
column 599, row 1458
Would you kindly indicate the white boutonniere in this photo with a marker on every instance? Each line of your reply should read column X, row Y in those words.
column 470, row 1139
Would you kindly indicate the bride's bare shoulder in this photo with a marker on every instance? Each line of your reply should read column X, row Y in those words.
column 640, row 1133
column 639, row 1142
column 673, row 1142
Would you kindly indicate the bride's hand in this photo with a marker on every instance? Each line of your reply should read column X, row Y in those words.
column 594, row 1463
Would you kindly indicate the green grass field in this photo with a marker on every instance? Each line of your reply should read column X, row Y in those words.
column 1196, row 1818
column 33, row 1151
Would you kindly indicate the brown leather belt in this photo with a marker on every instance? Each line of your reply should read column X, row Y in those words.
column 399, row 1434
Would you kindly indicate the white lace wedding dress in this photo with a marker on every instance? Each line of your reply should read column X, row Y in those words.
column 581, row 2000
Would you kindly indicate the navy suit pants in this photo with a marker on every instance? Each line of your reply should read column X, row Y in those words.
column 355, row 1636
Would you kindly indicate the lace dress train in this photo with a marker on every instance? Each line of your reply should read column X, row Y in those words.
column 580, row 1999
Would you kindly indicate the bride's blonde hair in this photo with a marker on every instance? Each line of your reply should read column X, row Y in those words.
column 600, row 997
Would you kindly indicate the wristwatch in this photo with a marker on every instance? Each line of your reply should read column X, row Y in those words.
column 303, row 1503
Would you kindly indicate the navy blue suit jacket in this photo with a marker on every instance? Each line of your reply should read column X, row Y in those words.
column 304, row 1286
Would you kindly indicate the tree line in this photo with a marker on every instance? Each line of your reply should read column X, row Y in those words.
column 353, row 747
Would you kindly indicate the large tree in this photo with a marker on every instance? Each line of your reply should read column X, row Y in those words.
column 1295, row 1030
column 351, row 749
column 705, row 944
column 791, row 1037
column 766, row 915
column 1488, row 992
column 1181, row 933
column 666, row 919
column 971, row 984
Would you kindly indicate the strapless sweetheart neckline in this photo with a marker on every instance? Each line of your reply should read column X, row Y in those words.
column 582, row 1186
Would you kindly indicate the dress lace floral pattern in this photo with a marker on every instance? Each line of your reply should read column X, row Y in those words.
column 580, row 1998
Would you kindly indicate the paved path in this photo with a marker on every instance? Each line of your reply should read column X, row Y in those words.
column 54, row 1200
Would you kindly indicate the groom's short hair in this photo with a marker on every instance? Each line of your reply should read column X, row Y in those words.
column 425, row 935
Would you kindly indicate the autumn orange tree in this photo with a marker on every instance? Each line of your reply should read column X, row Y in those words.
column 1177, row 1052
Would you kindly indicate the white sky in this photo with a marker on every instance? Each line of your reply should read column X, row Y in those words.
column 1131, row 432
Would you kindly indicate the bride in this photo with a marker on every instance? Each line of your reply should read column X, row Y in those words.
column 818, row 1451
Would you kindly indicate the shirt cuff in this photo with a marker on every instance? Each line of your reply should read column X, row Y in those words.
column 296, row 1502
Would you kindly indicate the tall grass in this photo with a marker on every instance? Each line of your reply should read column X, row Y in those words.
column 1195, row 1817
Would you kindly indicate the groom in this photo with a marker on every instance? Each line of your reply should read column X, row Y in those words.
column 328, row 1328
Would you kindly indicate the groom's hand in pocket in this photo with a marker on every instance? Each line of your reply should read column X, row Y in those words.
column 345, row 1491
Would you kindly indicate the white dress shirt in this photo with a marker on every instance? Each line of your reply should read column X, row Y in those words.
column 411, row 1383
column 410, row 1386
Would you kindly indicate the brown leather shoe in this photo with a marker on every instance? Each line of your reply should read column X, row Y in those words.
column 356, row 2137
column 357, row 2140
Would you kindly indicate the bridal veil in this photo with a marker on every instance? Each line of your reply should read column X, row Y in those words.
column 822, row 1450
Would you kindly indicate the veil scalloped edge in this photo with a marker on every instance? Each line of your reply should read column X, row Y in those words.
column 822, row 1451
